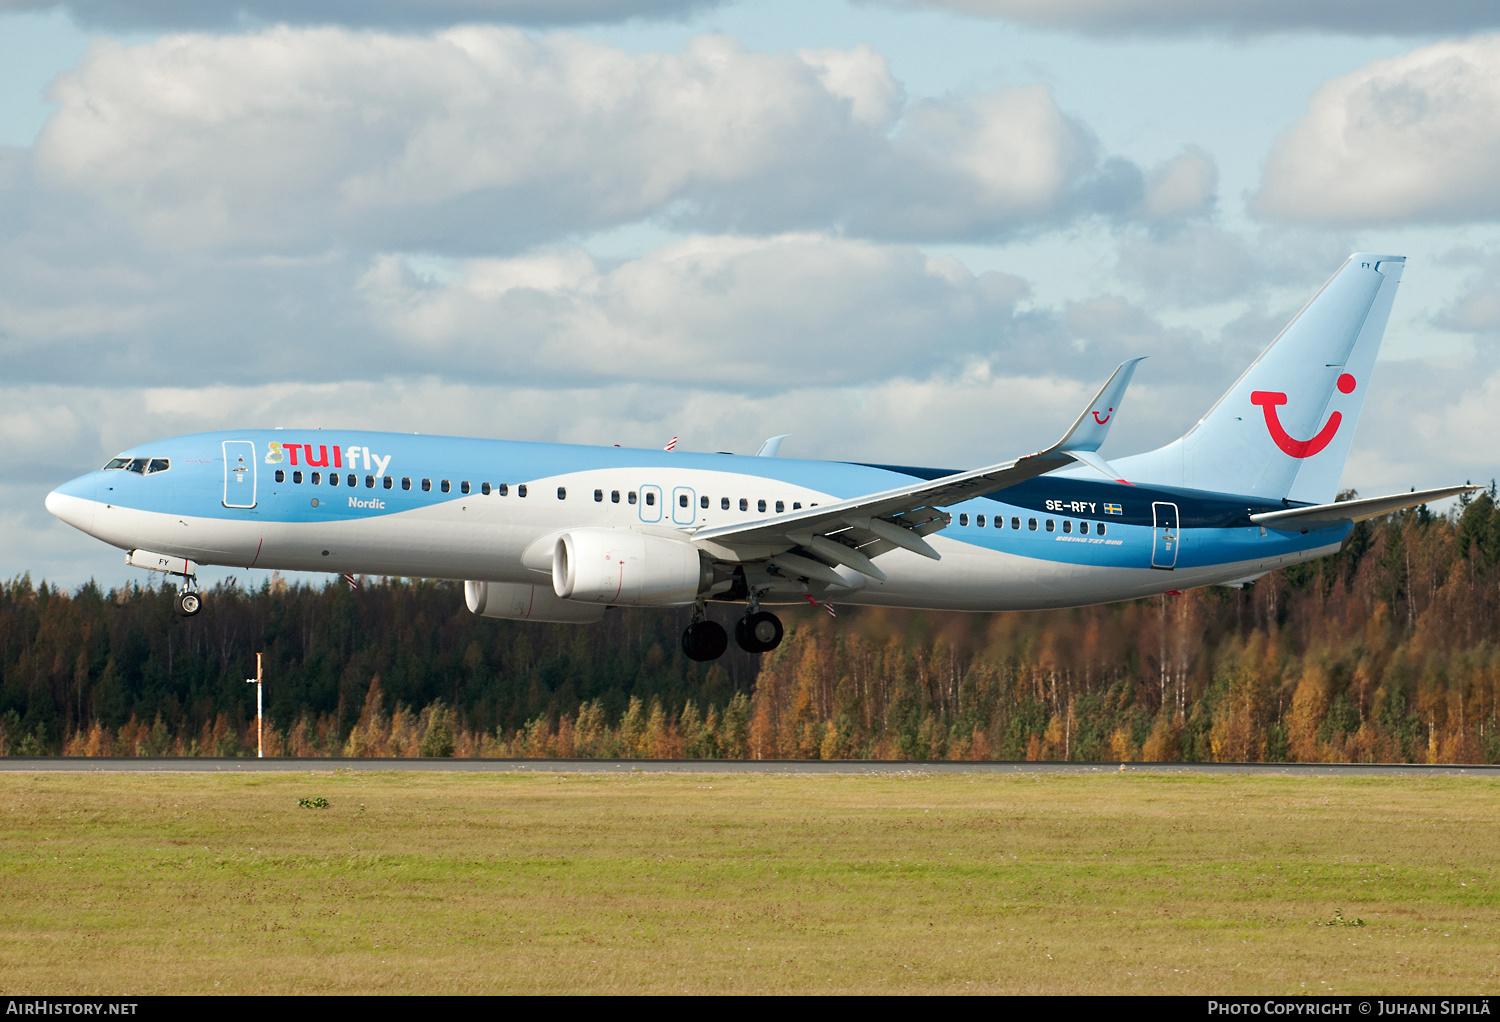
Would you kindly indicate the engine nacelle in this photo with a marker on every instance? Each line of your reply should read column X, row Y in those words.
column 618, row 566
column 515, row 602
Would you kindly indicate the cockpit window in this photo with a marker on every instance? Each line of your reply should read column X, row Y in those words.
column 140, row 466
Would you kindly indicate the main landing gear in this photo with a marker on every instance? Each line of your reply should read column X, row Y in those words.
column 704, row 640
column 757, row 632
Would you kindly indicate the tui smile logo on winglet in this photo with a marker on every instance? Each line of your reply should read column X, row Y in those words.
column 1290, row 445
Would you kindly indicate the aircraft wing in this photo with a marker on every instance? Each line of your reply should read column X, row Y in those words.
column 852, row 532
column 1322, row 516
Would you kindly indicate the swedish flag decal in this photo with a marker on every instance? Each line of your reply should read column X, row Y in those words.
column 1113, row 509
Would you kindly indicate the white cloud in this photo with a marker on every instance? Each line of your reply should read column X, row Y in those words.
column 487, row 139
column 1181, row 187
column 1476, row 309
column 1415, row 139
column 1182, row 17
column 135, row 14
column 727, row 312
column 1202, row 263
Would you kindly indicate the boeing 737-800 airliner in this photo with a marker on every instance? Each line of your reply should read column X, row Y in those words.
column 551, row 532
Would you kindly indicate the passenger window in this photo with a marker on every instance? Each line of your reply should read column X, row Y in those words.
column 703, row 502
column 651, row 499
column 963, row 519
column 297, row 477
column 562, row 493
column 796, row 505
column 979, row 521
column 1101, row 528
column 387, row 482
column 598, row 496
column 351, row 480
column 614, row 496
column 503, row 489
column 406, row 482
column 369, row 482
column 333, row 479
column 1015, row 523
column 426, row 485
column 999, row 521
column 1083, row 528
column 317, row 477
column 630, row 497
column 724, row 503
column 682, row 500
column 744, row 504
column 760, row 505
column 484, row 489
column 161, row 465
column 1051, row 525
column 521, row 490
column 280, row 476
column 1067, row 526
column 463, row 487
column 445, row 486
column 780, row 506
column 1031, row 524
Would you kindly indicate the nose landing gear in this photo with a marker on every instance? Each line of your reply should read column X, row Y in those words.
column 189, row 602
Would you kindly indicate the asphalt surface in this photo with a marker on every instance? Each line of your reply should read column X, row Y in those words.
column 59, row 764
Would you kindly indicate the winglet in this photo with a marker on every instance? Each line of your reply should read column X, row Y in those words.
column 771, row 446
column 1092, row 427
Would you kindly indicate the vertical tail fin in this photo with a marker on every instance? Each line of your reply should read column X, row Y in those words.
column 1284, row 428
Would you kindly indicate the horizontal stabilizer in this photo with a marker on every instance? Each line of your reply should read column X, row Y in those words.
column 1322, row 516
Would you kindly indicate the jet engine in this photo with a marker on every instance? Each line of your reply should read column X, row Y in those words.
column 515, row 602
column 618, row 566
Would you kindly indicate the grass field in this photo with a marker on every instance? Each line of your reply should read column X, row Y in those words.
column 411, row 883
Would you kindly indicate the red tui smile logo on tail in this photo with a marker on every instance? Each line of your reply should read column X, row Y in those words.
column 1103, row 420
column 1268, row 400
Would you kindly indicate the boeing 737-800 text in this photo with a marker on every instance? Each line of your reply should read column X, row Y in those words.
column 551, row 532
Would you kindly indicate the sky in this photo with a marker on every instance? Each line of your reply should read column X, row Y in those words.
column 910, row 231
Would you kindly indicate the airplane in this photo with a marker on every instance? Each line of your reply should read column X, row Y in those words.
column 562, row 533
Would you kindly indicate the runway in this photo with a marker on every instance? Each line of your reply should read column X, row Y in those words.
column 59, row 764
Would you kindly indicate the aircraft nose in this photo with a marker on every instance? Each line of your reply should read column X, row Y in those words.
column 73, row 502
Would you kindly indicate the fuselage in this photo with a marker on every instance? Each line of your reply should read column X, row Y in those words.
column 489, row 510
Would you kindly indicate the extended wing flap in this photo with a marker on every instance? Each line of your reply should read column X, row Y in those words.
column 1322, row 516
